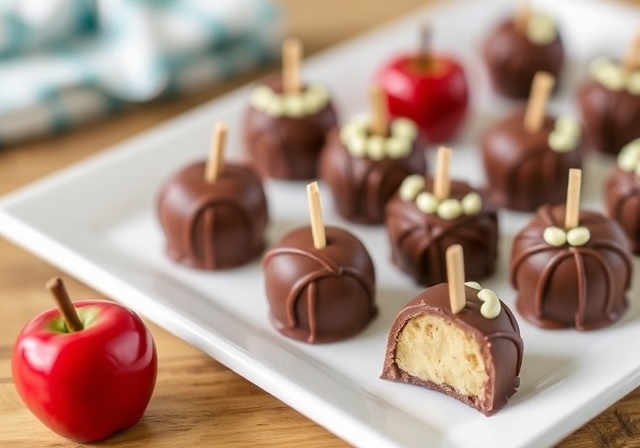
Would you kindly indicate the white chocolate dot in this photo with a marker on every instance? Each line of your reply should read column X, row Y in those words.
column 375, row 147
column 633, row 83
column 474, row 285
column 565, row 135
column 293, row 105
column 568, row 125
column 554, row 236
column 260, row 97
column 450, row 209
column 397, row 148
column 629, row 157
column 491, row 307
column 411, row 186
column 471, row 203
column 315, row 98
column 578, row 236
column 357, row 147
column 541, row 29
column 597, row 65
column 426, row 202
column 611, row 76
column 404, row 128
column 351, row 131
column 275, row 107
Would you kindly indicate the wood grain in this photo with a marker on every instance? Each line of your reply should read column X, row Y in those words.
column 198, row 402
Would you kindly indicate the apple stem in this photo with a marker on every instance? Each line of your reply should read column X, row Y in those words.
column 68, row 311
column 425, row 42
column 632, row 59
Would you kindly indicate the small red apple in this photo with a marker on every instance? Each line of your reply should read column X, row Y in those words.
column 430, row 89
column 86, row 370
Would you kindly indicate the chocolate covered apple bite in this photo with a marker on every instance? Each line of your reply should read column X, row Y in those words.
column 610, row 101
column 428, row 215
column 365, row 161
column 319, row 281
column 521, row 46
column 571, row 268
column 622, row 193
column 458, row 339
column 213, row 214
column 527, row 154
column 286, row 122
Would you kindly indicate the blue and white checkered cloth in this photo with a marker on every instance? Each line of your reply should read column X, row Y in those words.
column 65, row 62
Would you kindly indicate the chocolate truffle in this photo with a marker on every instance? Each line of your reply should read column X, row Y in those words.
column 363, row 170
column 513, row 56
column 215, row 225
column 468, row 356
column 285, row 132
column 622, row 193
column 610, row 105
column 420, row 229
column 576, row 278
column 319, row 295
column 527, row 169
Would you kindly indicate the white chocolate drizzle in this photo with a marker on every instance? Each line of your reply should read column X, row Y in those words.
column 359, row 142
column 299, row 104
column 490, row 307
column 413, row 189
column 555, row 236
column 541, row 29
column 565, row 136
column 629, row 157
column 615, row 77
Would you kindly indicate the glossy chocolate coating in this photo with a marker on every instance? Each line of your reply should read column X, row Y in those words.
column 419, row 240
column 319, row 295
column 361, row 187
column 214, row 225
column 513, row 60
column 286, row 147
column 611, row 118
column 622, row 199
column 499, row 339
column 565, row 286
column 522, row 171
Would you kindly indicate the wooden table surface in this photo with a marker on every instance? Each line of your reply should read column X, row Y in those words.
column 198, row 401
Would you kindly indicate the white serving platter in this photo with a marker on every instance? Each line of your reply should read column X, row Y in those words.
column 96, row 221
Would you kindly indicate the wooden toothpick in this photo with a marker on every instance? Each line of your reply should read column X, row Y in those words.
column 215, row 161
column 291, row 56
column 455, row 278
column 442, row 181
column 541, row 87
column 379, row 118
column 315, row 213
column 632, row 59
column 425, row 42
column 572, row 212
column 522, row 16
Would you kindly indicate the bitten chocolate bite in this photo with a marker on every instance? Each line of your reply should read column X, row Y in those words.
column 609, row 101
column 527, row 154
column 472, row 354
column 622, row 193
column 319, row 288
column 364, row 168
column 213, row 218
column 519, row 47
column 571, row 272
column 286, row 123
column 422, row 220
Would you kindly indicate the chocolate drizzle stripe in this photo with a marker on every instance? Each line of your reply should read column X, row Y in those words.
column 203, row 204
column 517, row 262
column 296, row 290
column 312, row 300
column 325, row 262
column 541, row 287
column 582, row 289
column 626, row 258
column 208, row 237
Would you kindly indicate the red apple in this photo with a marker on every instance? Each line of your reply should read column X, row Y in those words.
column 431, row 89
column 90, row 383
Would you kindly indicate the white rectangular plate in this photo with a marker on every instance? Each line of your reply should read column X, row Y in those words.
column 96, row 220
